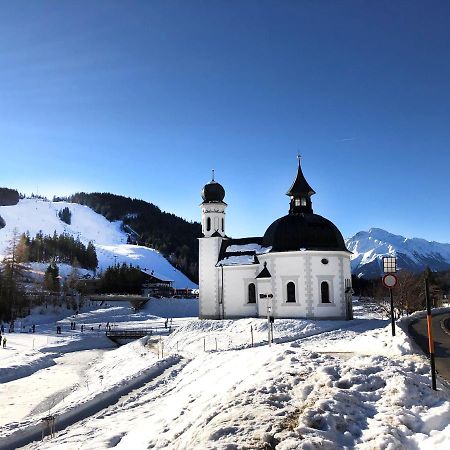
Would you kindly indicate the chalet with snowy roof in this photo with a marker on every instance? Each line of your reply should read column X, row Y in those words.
column 300, row 268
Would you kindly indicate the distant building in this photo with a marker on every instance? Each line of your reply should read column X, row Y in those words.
column 156, row 285
column 300, row 268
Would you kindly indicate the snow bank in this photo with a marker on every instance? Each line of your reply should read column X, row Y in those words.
column 283, row 397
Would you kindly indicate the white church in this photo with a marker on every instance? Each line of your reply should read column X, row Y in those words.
column 300, row 268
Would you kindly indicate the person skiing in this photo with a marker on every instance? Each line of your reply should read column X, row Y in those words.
column 4, row 341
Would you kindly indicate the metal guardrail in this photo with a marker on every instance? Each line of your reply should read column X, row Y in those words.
column 137, row 333
column 129, row 333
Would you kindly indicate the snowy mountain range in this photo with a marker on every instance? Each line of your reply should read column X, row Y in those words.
column 34, row 215
column 368, row 248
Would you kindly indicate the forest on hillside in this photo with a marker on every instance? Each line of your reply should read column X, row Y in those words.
column 62, row 248
column 171, row 235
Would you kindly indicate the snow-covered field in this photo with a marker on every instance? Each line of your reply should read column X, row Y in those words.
column 321, row 384
column 34, row 215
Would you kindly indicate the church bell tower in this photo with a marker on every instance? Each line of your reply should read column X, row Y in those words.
column 213, row 229
column 213, row 209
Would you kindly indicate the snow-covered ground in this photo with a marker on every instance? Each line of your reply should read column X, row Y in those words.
column 34, row 215
column 321, row 384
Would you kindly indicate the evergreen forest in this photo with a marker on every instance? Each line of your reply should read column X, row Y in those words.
column 122, row 279
column 62, row 248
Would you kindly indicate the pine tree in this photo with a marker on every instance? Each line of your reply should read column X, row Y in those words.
column 65, row 215
column 12, row 296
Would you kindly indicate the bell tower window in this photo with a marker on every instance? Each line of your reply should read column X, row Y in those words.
column 303, row 201
column 208, row 224
column 297, row 202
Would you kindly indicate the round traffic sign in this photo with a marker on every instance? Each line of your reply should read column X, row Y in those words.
column 389, row 280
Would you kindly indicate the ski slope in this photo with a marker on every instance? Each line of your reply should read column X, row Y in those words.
column 34, row 215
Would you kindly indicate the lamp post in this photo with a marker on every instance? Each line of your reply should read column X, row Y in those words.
column 389, row 281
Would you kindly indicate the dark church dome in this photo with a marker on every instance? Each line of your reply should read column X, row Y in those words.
column 213, row 192
column 303, row 231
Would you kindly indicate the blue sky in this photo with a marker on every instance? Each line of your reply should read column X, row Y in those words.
column 144, row 98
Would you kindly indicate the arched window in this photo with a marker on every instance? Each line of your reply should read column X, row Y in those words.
column 251, row 293
column 325, row 292
column 223, row 225
column 208, row 224
column 290, row 292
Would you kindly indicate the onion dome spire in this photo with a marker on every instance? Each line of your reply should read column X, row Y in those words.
column 300, row 193
column 213, row 192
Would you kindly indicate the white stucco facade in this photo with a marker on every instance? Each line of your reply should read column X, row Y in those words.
column 238, row 277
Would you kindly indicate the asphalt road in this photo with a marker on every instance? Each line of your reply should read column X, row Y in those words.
column 418, row 331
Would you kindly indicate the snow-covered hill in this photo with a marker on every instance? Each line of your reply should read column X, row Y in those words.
column 34, row 215
column 368, row 248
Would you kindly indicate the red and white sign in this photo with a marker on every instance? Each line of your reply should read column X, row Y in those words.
column 389, row 280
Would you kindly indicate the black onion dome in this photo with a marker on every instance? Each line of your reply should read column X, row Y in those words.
column 303, row 231
column 213, row 192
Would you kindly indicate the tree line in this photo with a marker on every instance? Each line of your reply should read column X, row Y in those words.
column 171, row 235
column 62, row 248
column 409, row 292
column 122, row 279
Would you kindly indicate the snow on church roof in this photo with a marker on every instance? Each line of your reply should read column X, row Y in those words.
column 251, row 247
column 241, row 251
column 238, row 259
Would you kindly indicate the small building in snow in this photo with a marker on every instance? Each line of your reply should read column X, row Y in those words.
column 300, row 268
column 156, row 285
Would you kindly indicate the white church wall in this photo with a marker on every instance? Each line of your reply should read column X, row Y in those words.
column 235, row 290
column 208, row 281
column 306, row 270
column 333, row 273
column 285, row 268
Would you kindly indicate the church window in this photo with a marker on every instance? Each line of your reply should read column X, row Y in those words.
column 251, row 293
column 297, row 202
column 325, row 292
column 208, row 224
column 303, row 201
column 290, row 292
column 324, row 261
column 223, row 225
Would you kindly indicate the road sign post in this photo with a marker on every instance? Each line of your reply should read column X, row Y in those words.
column 430, row 335
column 269, row 311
